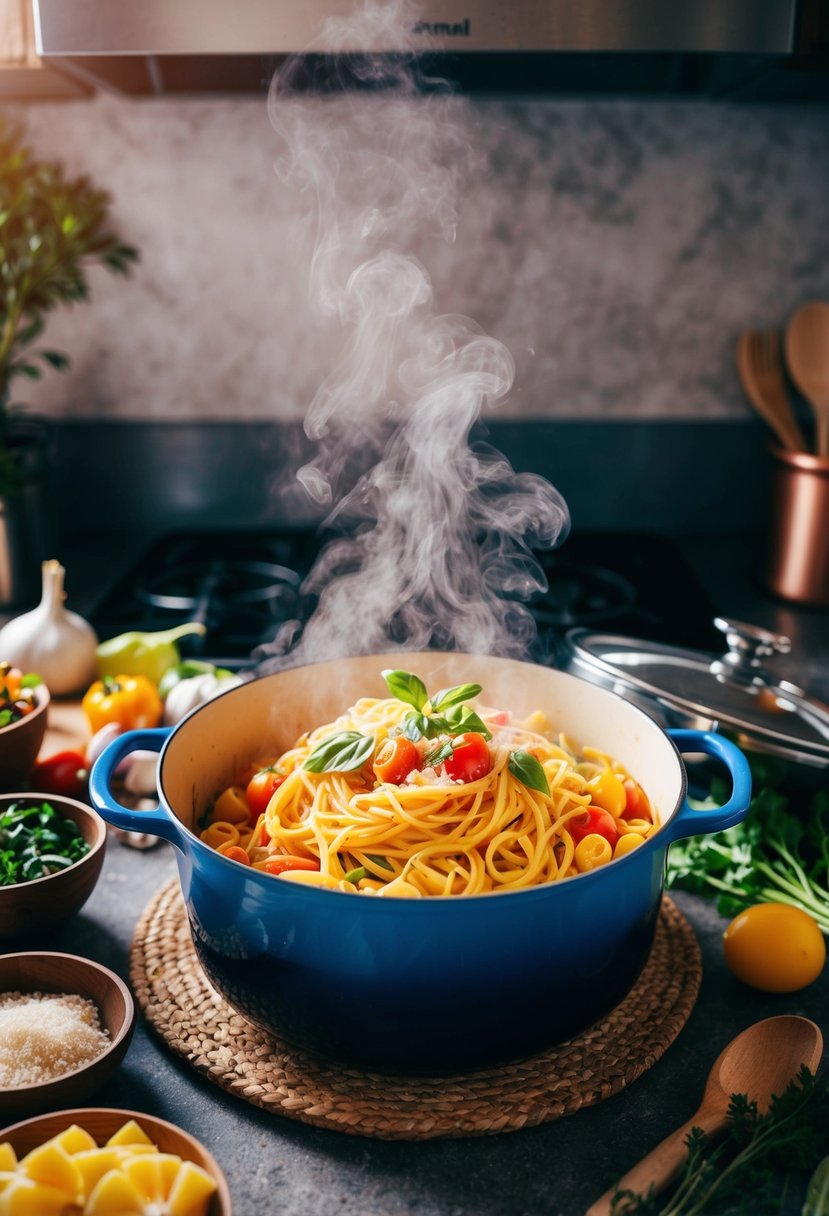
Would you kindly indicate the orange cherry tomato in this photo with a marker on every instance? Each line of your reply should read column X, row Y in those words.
column 395, row 759
column 774, row 947
column 260, row 789
column 236, row 853
column 470, row 760
column 593, row 821
column 278, row 865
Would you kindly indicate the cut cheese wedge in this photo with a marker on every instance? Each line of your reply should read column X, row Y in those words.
column 74, row 1140
column 190, row 1191
column 24, row 1197
column 153, row 1175
column 93, row 1165
column 52, row 1165
column 115, row 1195
column 129, row 1134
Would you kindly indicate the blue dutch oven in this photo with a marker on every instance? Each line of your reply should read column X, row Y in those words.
column 428, row 985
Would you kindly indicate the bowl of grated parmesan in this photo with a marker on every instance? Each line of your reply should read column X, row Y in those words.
column 65, row 1025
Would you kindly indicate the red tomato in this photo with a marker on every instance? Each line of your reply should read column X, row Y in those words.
column 65, row 773
column 593, row 820
column 636, row 802
column 470, row 759
column 260, row 788
column 395, row 759
column 278, row 865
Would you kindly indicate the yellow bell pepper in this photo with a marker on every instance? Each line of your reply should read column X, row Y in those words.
column 130, row 701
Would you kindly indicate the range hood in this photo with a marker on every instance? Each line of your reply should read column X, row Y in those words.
column 710, row 47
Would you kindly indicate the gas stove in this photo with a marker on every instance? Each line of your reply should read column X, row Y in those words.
column 245, row 586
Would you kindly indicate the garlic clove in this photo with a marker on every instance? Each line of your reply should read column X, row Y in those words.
column 57, row 644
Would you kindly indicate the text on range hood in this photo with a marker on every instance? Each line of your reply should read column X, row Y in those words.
column 162, row 46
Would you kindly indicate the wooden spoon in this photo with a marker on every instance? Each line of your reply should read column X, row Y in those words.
column 760, row 366
column 807, row 356
column 763, row 1060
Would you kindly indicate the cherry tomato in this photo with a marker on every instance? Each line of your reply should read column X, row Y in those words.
column 278, row 865
column 260, row 788
column 65, row 773
column 636, row 801
column 593, row 821
column 236, row 853
column 774, row 948
column 470, row 760
column 395, row 759
column 607, row 791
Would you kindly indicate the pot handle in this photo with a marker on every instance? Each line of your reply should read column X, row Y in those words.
column 689, row 821
column 154, row 823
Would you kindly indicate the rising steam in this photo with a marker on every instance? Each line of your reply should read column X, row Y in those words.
column 436, row 537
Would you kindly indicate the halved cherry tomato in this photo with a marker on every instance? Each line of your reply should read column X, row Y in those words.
column 260, row 788
column 278, row 865
column 395, row 759
column 236, row 853
column 470, row 760
column 593, row 821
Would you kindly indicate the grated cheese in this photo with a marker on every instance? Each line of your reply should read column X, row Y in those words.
column 43, row 1036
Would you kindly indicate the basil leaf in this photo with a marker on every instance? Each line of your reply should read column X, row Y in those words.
column 406, row 687
column 30, row 681
column 436, row 725
column 414, row 727
column 439, row 754
column 340, row 753
column 454, row 696
column 526, row 769
column 462, row 719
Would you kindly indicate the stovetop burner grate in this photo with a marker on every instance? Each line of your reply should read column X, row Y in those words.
column 245, row 586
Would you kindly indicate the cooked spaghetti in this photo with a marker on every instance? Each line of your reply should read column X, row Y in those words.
column 412, row 796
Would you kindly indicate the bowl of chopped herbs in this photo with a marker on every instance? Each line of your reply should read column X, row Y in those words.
column 51, row 853
column 24, row 706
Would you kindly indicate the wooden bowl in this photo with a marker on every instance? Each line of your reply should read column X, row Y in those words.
column 67, row 973
column 21, row 742
column 29, row 907
column 102, row 1123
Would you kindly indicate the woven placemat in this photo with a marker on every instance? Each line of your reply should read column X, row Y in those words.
column 196, row 1022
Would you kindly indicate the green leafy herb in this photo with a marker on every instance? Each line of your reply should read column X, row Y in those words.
column 454, row 696
column 30, row 680
column 438, row 754
column 414, row 727
column 773, row 856
column 36, row 841
column 406, row 687
column 526, row 769
column 748, row 1169
column 462, row 719
column 382, row 862
column 817, row 1196
column 340, row 753
column 356, row 874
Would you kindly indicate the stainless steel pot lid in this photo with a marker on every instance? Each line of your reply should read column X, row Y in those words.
column 730, row 691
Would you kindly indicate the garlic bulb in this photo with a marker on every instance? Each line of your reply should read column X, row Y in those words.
column 56, row 644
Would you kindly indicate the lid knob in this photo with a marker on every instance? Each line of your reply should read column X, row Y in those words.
column 748, row 645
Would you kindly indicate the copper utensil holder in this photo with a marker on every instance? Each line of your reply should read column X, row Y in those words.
column 798, row 551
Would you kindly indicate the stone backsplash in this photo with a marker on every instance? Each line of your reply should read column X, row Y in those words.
column 616, row 248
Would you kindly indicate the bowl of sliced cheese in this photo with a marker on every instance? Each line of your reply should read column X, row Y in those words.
column 94, row 1161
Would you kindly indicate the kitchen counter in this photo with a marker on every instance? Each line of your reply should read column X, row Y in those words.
column 274, row 1164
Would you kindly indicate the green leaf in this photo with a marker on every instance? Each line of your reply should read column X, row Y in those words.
column 414, row 727
column 817, row 1196
column 454, row 696
column 55, row 359
column 439, row 754
column 382, row 862
column 526, row 769
column 356, row 874
column 462, row 720
column 340, row 753
column 30, row 680
column 406, row 687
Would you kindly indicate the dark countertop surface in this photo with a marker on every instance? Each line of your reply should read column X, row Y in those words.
column 274, row 1164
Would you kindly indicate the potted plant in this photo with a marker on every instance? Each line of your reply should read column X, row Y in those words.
column 52, row 228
